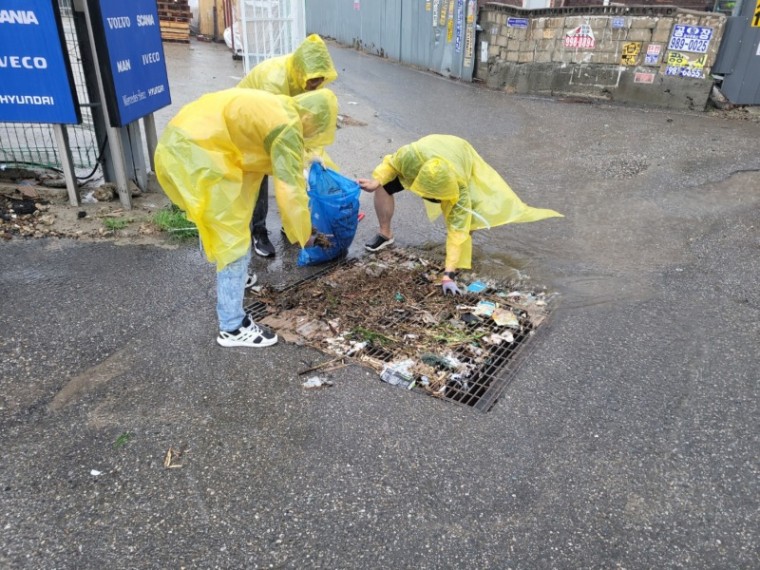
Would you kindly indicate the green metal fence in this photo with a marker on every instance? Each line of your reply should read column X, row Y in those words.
column 34, row 144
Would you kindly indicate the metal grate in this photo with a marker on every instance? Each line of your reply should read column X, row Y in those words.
column 471, row 365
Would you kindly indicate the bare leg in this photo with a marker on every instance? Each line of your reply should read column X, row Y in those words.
column 385, row 204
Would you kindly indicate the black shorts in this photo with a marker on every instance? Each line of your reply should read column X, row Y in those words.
column 394, row 187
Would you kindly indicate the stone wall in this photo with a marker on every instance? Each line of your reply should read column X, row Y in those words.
column 615, row 53
column 687, row 4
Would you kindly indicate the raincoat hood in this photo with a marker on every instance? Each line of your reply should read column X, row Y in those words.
column 310, row 60
column 318, row 111
column 288, row 74
column 435, row 180
column 427, row 176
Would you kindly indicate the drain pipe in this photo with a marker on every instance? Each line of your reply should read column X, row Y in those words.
column 401, row 30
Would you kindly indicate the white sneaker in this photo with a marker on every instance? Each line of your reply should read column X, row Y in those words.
column 249, row 334
column 251, row 281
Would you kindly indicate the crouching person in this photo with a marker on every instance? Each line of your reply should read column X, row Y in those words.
column 453, row 180
column 210, row 161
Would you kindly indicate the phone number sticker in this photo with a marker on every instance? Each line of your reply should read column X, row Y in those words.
column 684, row 72
column 690, row 38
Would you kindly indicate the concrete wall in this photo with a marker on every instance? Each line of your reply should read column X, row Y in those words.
column 615, row 53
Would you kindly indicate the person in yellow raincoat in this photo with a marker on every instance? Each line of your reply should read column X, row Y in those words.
column 453, row 179
column 307, row 68
column 210, row 160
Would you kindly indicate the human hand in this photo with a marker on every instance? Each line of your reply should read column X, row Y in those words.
column 368, row 184
column 449, row 287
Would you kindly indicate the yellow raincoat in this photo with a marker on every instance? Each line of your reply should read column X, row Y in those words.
column 288, row 74
column 472, row 195
column 213, row 154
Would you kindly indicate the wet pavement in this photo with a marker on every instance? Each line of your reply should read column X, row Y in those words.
column 628, row 440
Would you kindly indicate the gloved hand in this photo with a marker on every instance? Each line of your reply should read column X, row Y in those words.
column 449, row 287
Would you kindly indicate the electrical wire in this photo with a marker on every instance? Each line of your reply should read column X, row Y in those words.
column 97, row 162
column 27, row 163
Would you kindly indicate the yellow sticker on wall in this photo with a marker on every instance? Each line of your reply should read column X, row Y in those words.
column 679, row 59
column 450, row 23
column 681, row 65
column 630, row 55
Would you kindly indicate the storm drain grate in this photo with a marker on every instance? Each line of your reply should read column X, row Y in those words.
column 387, row 311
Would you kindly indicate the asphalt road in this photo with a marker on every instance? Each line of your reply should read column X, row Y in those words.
column 628, row 440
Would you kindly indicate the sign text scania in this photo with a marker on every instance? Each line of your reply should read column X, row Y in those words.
column 18, row 17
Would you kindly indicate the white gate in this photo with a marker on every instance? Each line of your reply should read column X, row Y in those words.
column 270, row 28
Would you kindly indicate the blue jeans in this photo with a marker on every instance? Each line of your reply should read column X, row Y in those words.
column 230, row 292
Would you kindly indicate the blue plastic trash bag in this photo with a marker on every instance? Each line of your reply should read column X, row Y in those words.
column 334, row 206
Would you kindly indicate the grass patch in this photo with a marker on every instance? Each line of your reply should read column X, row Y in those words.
column 122, row 440
column 371, row 336
column 174, row 221
column 114, row 224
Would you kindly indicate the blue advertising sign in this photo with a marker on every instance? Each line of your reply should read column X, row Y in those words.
column 517, row 22
column 36, row 84
column 618, row 23
column 460, row 23
column 690, row 38
column 134, row 71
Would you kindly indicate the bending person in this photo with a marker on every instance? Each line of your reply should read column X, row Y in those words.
column 306, row 69
column 210, row 160
column 454, row 180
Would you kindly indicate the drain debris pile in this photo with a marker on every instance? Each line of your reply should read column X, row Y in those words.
column 388, row 311
column 24, row 216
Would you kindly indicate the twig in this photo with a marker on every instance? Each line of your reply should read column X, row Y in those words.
column 337, row 367
column 318, row 366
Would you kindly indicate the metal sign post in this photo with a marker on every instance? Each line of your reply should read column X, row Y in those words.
column 62, row 139
column 149, row 124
